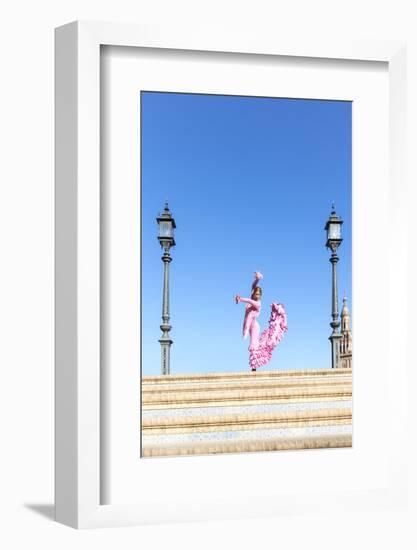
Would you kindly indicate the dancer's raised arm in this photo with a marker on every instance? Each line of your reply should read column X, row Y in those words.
column 256, row 294
column 253, row 303
column 258, row 277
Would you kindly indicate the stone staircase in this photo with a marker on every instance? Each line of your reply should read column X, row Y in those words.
column 245, row 412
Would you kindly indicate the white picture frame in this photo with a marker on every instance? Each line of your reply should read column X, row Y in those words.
column 78, row 405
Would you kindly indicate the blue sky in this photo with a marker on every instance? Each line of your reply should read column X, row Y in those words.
column 250, row 182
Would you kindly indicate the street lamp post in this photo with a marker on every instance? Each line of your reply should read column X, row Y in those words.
column 166, row 239
column 333, row 228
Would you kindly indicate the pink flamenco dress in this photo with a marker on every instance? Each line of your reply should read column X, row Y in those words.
column 262, row 346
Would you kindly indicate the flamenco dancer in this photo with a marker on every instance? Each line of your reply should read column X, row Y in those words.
column 261, row 347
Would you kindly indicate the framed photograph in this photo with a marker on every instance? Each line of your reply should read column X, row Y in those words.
column 224, row 330
column 268, row 169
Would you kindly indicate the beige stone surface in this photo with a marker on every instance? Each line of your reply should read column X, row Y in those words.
column 245, row 396
column 190, row 424
column 205, row 391
column 290, row 444
column 210, row 376
column 246, row 383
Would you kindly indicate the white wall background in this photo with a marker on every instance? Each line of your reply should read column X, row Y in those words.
column 26, row 274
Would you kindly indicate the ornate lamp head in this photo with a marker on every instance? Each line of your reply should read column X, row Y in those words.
column 166, row 228
column 333, row 230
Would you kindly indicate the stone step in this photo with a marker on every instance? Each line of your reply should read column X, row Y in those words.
column 229, row 385
column 247, row 446
column 228, row 422
column 216, row 376
column 248, row 409
column 245, row 396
